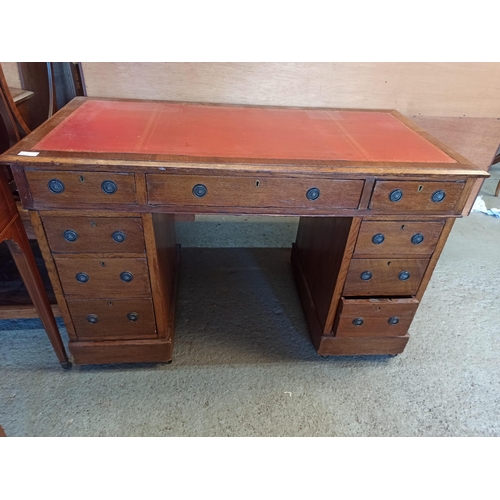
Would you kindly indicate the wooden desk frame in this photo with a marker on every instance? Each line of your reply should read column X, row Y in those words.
column 323, row 255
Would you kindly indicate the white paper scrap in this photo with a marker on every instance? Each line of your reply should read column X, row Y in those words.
column 480, row 206
column 28, row 153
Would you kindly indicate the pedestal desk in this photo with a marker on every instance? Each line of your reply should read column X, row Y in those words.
column 377, row 197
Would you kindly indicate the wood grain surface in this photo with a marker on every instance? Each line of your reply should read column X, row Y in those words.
column 95, row 234
column 374, row 316
column 385, row 280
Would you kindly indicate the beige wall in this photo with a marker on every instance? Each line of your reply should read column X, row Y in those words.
column 11, row 74
column 433, row 89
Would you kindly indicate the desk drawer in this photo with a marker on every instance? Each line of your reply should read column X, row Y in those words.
column 381, row 277
column 414, row 196
column 113, row 277
column 70, row 189
column 94, row 234
column 113, row 319
column 375, row 317
column 221, row 191
column 384, row 239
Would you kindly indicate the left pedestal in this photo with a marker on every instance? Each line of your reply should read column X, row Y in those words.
column 115, row 278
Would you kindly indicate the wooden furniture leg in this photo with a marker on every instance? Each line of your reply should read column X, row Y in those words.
column 13, row 233
column 25, row 261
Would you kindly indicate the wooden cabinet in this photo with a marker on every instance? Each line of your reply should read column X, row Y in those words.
column 109, row 175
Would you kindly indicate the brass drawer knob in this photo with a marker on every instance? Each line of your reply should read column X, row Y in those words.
column 132, row 316
column 313, row 194
column 438, row 196
column 55, row 186
column 393, row 320
column 404, row 275
column 108, row 187
column 118, row 236
column 357, row 321
column 416, row 239
column 366, row 275
column 200, row 190
column 378, row 239
column 70, row 235
column 92, row 318
column 395, row 195
column 82, row 277
column 126, row 276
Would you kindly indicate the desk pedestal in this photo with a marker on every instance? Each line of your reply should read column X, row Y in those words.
column 116, row 276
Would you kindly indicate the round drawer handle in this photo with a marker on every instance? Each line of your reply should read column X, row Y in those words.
column 438, row 196
column 70, row 235
column 126, row 276
column 378, row 238
column 416, row 239
column 393, row 320
column 55, row 186
column 366, row 275
column 404, row 275
column 313, row 194
column 200, row 190
column 109, row 187
column 118, row 236
column 93, row 318
column 396, row 195
column 82, row 277
column 357, row 321
column 132, row 316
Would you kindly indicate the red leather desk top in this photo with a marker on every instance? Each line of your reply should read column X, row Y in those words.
column 102, row 126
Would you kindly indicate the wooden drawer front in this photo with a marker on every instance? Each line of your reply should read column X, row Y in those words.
column 104, row 277
column 384, row 277
column 375, row 317
column 252, row 191
column 94, row 234
column 383, row 239
column 81, row 188
column 414, row 196
column 113, row 319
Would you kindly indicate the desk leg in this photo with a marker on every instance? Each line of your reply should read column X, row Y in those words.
column 320, row 261
column 25, row 261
